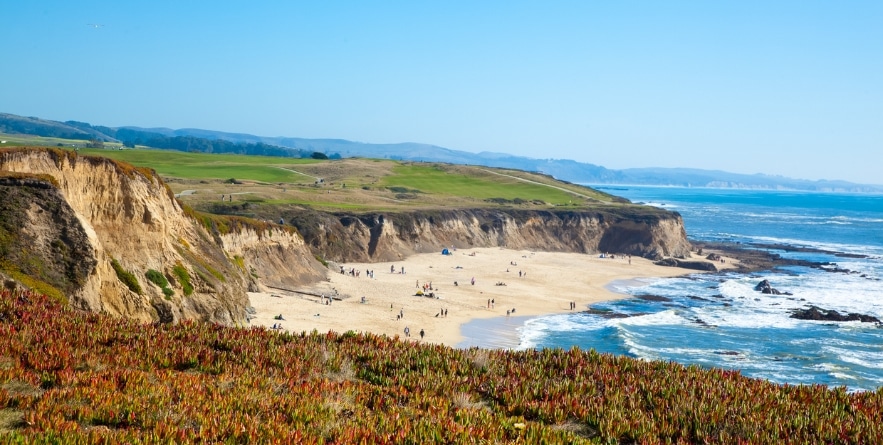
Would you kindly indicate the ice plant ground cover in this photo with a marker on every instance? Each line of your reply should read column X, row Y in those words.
column 68, row 376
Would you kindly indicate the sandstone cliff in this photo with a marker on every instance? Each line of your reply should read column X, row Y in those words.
column 75, row 217
column 90, row 229
column 626, row 229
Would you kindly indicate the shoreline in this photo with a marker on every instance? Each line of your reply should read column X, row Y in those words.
column 532, row 283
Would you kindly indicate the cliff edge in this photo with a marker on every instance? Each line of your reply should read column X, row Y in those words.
column 621, row 229
column 92, row 231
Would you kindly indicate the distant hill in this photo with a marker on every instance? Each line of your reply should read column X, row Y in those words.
column 192, row 139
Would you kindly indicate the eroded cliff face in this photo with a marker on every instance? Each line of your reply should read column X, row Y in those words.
column 646, row 232
column 129, row 215
column 273, row 258
column 65, row 219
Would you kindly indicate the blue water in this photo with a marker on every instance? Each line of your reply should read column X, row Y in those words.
column 719, row 320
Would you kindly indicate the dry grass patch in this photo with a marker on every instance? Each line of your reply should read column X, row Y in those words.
column 6, row 362
column 577, row 428
column 11, row 419
column 17, row 388
column 462, row 400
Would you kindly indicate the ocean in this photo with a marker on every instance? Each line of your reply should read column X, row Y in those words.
column 719, row 320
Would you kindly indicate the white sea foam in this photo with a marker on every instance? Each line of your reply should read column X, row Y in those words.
column 867, row 359
column 859, row 249
column 667, row 317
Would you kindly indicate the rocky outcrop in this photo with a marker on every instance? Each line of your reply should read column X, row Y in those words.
column 87, row 213
column 274, row 257
column 819, row 314
column 765, row 287
column 693, row 265
column 341, row 237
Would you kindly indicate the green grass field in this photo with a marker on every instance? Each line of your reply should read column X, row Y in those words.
column 434, row 180
column 13, row 140
column 209, row 166
column 352, row 184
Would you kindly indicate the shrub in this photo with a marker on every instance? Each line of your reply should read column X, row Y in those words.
column 126, row 277
column 157, row 278
column 183, row 278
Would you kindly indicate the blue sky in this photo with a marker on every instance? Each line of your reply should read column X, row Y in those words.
column 793, row 88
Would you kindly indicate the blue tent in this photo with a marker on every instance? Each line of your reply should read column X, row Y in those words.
column 445, row 252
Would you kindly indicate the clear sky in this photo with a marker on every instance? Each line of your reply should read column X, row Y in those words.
column 793, row 88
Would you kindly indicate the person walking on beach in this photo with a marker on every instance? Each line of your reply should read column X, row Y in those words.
column 422, row 334
column 392, row 268
column 407, row 332
column 473, row 281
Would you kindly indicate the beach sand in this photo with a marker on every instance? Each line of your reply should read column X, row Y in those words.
column 549, row 282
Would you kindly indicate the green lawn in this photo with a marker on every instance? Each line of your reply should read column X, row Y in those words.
column 24, row 139
column 434, row 180
column 210, row 166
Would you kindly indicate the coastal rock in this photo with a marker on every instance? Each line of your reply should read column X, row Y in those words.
column 693, row 265
column 819, row 314
column 765, row 287
column 608, row 314
column 648, row 297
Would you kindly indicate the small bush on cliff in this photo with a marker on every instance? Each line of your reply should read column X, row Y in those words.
column 183, row 278
column 126, row 277
column 157, row 278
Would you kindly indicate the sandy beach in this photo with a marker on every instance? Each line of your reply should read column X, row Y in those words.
column 524, row 283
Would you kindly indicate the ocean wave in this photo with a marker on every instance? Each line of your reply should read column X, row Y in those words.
column 858, row 249
column 867, row 359
column 666, row 317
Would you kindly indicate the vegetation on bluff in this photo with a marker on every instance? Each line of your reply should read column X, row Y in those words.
column 68, row 376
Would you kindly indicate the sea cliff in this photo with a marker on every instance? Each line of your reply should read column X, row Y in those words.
column 91, row 230
column 626, row 229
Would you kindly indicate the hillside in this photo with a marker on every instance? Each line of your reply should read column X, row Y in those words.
column 568, row 170
column 376, row 210
column 112, row 238
column 69, row 376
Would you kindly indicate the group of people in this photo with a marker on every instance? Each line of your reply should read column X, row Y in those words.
column 355, row 273
column 408, row 332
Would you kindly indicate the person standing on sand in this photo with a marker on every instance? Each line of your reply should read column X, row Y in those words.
column 392, row 268
column 407, row 332
column 422, row 334
column 473, row 281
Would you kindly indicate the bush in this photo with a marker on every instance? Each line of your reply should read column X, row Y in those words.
column 157, row 278
column 184, row 278
column 126, row 277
